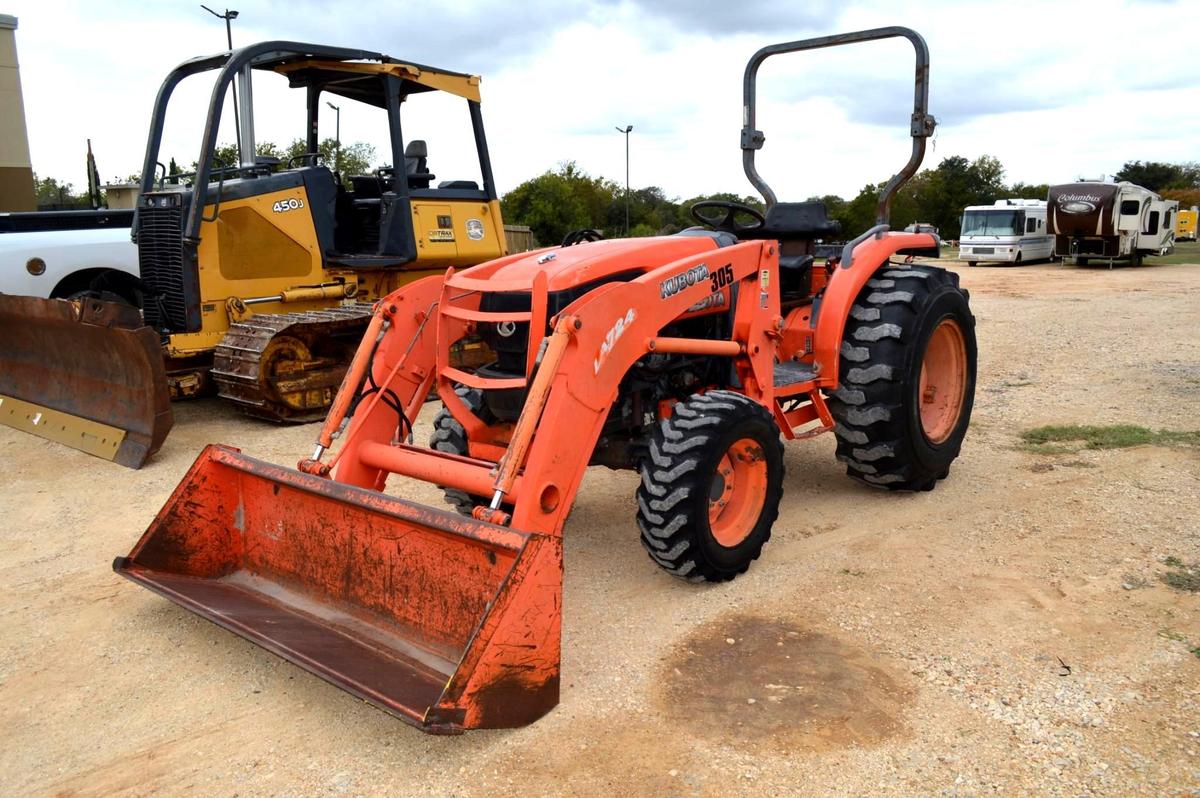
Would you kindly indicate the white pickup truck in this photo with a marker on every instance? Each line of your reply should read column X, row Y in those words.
column 61, row 254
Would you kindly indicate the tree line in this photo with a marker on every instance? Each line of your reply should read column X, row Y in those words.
column 559, row 201
column 565, row 199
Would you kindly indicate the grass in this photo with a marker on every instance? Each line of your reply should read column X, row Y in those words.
column 1176, row 637
column 1185, row 252
column 1063, row 438
column 1182, row 577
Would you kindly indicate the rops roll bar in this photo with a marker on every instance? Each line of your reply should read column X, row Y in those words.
column 922, row 122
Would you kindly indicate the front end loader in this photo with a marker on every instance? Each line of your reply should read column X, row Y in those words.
column 257, row 277
column 689, row 358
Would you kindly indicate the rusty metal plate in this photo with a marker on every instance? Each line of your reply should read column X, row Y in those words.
column 91, row 361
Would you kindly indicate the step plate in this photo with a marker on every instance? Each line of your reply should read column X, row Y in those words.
column 791, row 373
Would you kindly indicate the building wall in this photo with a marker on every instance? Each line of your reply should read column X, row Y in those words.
column 16, row 171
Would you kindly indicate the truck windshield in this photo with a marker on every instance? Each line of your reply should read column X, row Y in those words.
column 992, row 223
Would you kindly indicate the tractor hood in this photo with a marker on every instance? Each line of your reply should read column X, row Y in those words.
column 566, row 267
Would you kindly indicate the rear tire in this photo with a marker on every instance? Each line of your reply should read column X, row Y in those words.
column 450, row 436
column 972, row 263
column 907, row 379
column 711, row 487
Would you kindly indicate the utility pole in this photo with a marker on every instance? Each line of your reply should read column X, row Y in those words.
column 229, row 17
column 626, row 130
column 337, row 138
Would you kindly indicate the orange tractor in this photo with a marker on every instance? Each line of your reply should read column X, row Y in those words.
column 686, row 357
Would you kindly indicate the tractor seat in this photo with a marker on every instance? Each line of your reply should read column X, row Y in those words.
column 795, row 262
column 798, row 220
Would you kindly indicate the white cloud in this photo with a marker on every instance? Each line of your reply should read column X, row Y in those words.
column 1054, row 90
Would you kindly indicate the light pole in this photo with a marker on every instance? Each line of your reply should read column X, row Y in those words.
column 229, row 16
column 626, row 130
column 337, row 138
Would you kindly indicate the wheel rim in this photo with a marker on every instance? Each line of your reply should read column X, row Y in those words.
column 943, row 380
column 737, row 493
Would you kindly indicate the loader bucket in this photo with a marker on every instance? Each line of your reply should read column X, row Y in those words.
column 84, row 373
column 443, row 621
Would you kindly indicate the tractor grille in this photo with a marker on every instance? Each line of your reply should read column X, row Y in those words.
column 985, row 250
column 160, row 259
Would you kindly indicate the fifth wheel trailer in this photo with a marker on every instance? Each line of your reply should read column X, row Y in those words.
column 1110, row 222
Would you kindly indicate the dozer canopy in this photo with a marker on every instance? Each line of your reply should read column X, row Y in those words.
column 85, row 373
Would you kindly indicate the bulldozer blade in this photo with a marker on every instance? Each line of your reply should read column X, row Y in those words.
column 85, row 373
column 446, row 622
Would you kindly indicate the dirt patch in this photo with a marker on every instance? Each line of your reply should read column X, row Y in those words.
column 974, row 593
column 782, row 685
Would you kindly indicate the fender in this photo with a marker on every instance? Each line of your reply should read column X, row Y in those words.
column 844, row 287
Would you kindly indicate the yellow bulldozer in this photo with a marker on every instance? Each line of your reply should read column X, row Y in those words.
column 258, row 277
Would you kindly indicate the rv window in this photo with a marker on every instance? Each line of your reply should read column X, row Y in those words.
column 1153, row 222
column 1031, row 225
column 1130, row 207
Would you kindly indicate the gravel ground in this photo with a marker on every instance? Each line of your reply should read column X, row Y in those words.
column 1007, row 633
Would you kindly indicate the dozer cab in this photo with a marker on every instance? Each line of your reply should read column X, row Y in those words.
column 259, row 275
column 689, row 358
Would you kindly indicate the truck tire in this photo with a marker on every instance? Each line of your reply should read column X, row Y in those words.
column 710, row 487
column 907, row 378
column 450, row 436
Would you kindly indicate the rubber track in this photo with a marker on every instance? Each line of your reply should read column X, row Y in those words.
column 237, row 360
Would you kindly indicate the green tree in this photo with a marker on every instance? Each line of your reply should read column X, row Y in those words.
column 1157, row 176
column 1028, row 191
column 52, row 194
column 556, row 202
column 350, row 159
column 1186, row 197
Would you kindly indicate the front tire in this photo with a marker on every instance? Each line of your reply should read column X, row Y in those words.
column 450, row 436
column 711, row 487
column 907, row 379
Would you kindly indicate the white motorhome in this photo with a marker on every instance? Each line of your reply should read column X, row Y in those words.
column 1007, row 231
column 1110, row 222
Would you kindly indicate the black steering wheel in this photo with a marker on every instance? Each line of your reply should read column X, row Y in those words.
column 581, row 237
column 727, row 221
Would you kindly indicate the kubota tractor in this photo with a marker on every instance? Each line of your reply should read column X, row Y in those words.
column 687, row 357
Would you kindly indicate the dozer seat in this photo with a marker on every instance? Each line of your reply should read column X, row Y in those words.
column 366, row 186
column 416, row 164
column 789, row 221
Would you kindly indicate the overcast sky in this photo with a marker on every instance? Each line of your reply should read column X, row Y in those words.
column 1055, row 90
